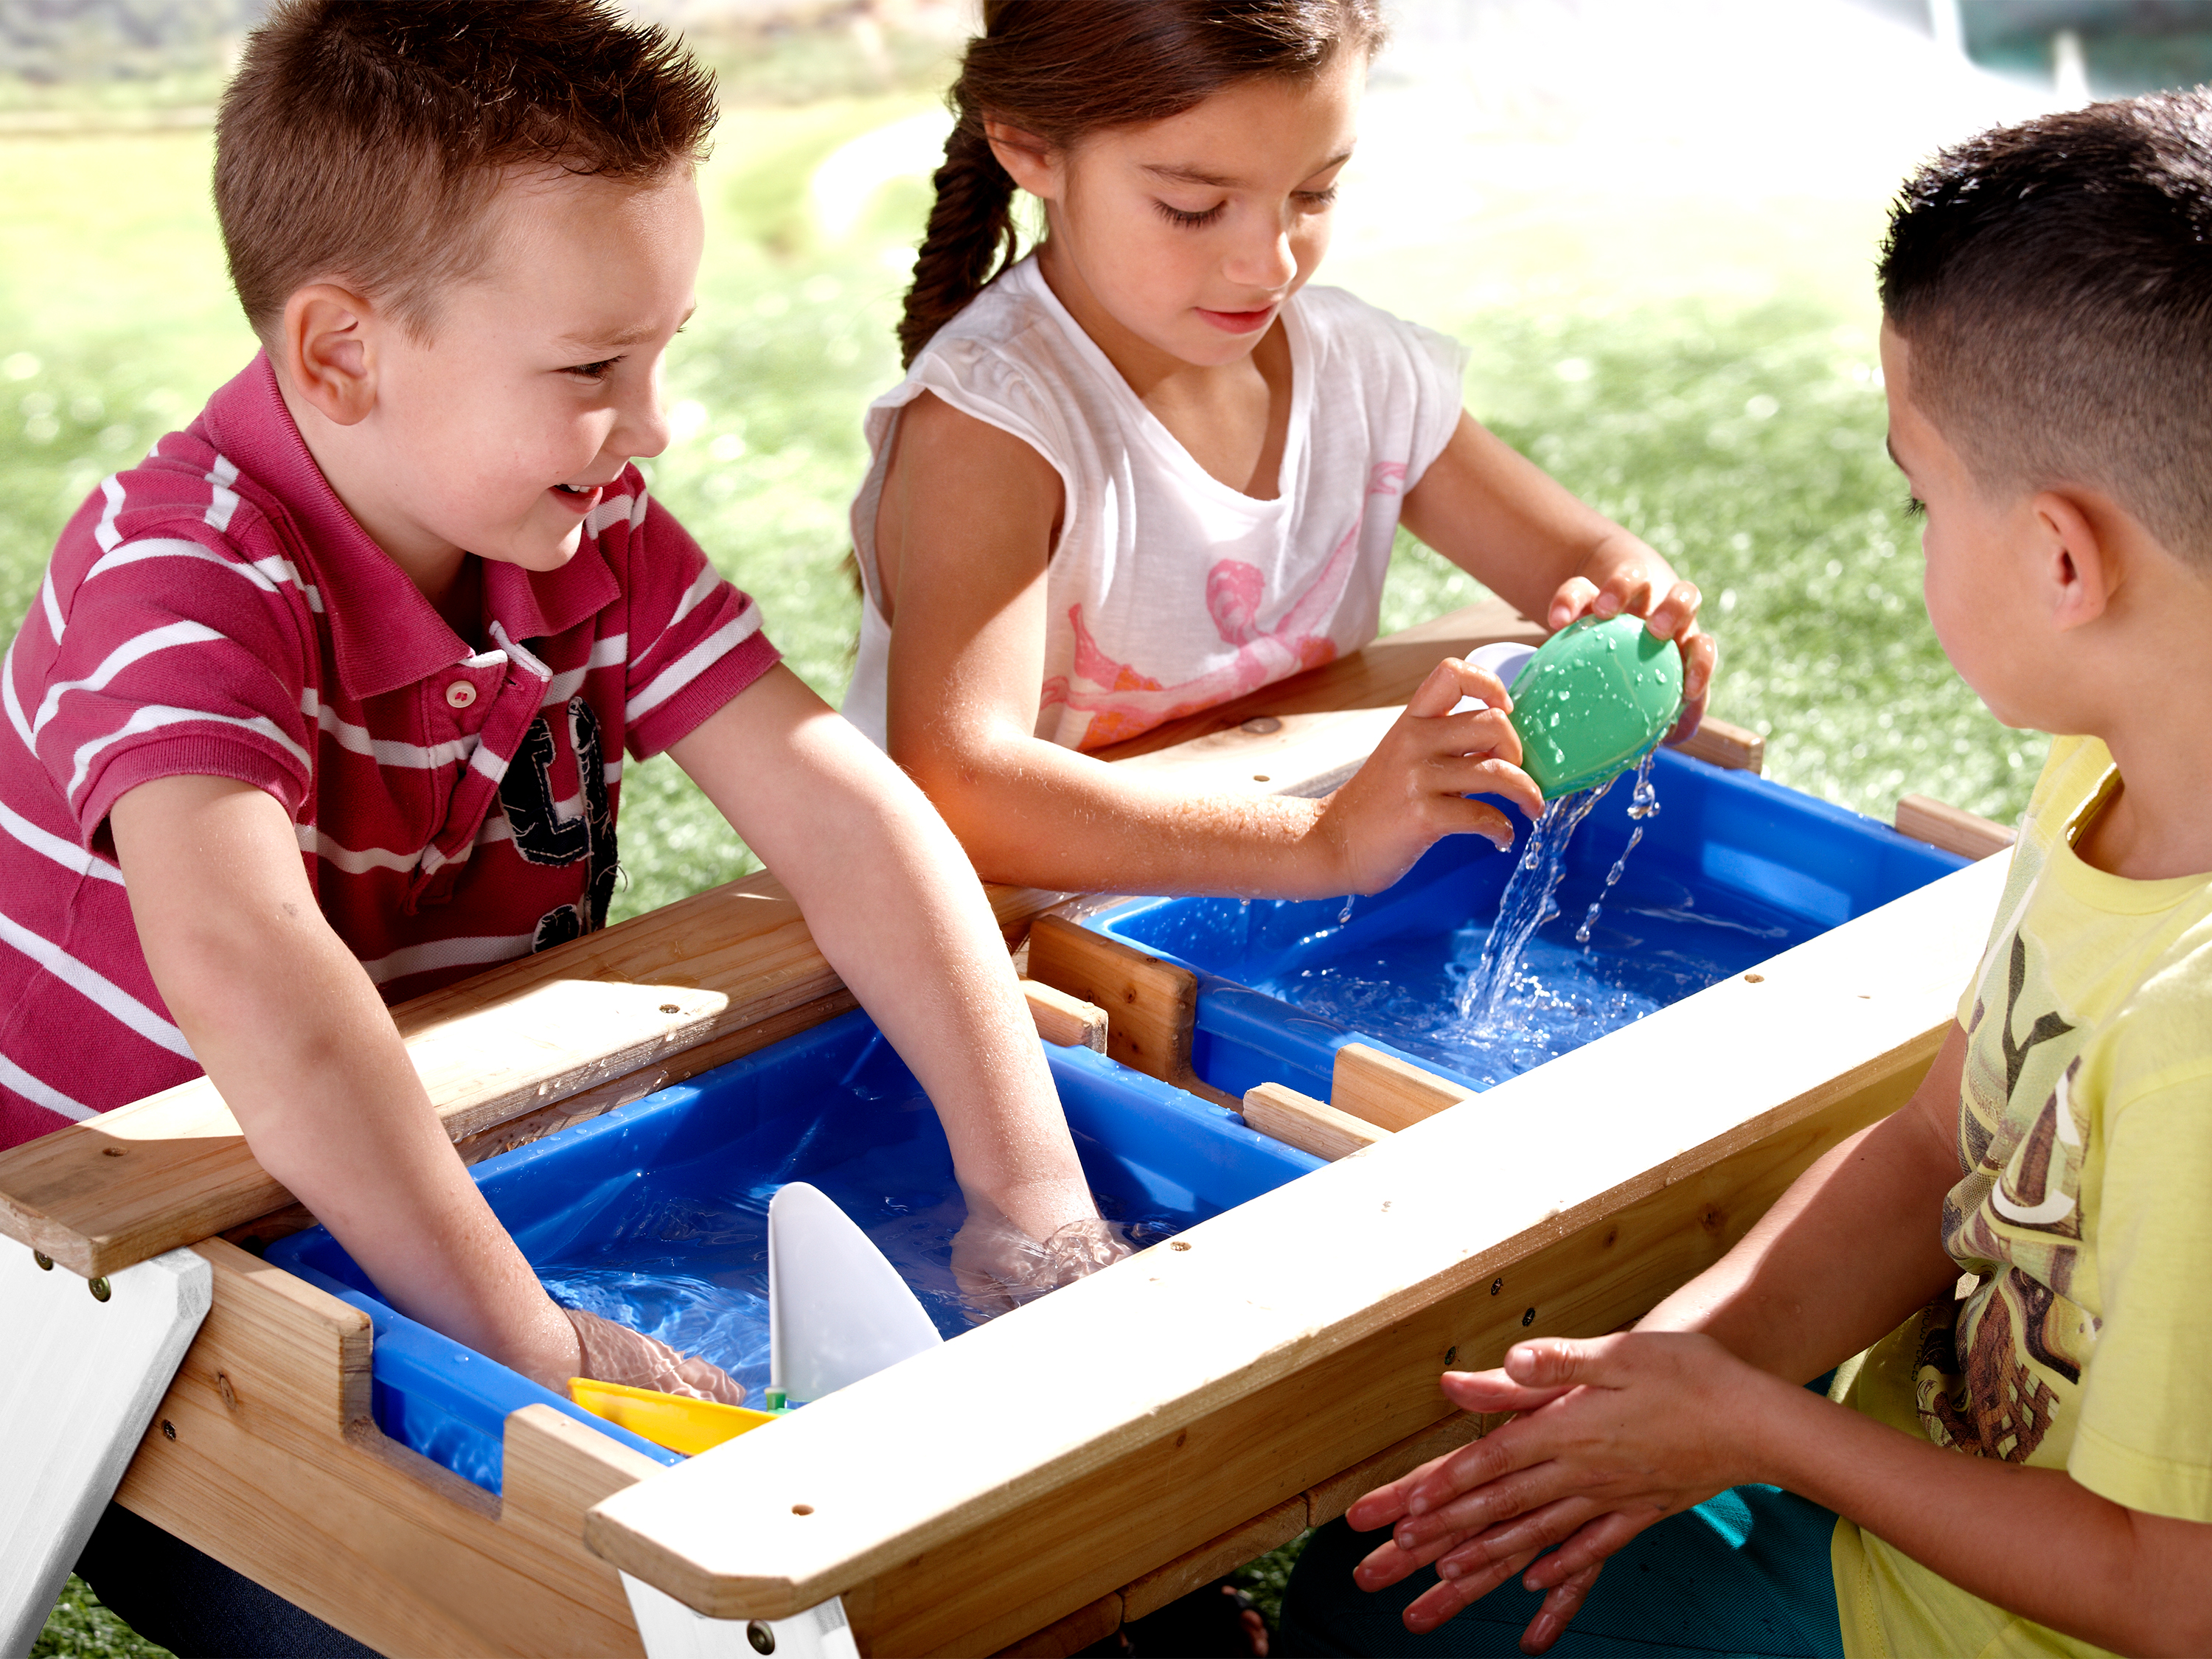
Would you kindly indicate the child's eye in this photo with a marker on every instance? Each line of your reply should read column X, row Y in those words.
column 1175, row 215
column 1315, row 200
column 592, row 371
column 1915, row 507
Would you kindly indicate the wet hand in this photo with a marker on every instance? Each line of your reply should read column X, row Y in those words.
column 1613, row 1435
column 1669, row 609
column 608, row 1352
column 999, row 1267
column 1411, row 791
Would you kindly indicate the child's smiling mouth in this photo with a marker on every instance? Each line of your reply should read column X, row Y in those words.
column 577, row 499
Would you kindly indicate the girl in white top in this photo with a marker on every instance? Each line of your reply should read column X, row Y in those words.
column 1146, row 469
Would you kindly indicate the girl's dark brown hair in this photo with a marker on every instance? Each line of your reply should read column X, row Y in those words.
column 1060, row 69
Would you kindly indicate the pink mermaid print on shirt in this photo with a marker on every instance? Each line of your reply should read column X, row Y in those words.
column 1123, row 703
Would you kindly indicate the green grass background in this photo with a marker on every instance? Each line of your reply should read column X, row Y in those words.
column 1702, row 370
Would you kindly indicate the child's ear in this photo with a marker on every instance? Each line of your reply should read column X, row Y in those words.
column 328, row 353
column 2081, row 572
column 1027, row 158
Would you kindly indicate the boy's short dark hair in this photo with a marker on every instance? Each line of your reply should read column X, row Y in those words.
column 2053, row 281
column 363, row 140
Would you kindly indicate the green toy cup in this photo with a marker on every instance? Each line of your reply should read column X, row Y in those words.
column 1593, row 700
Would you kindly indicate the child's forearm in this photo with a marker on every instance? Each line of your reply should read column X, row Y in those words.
column 2034, row 1542
column 291, row 1032
column 1846, row 1254
column 896, row 909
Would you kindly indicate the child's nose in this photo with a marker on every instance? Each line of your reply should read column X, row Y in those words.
column 1267, row 260
column 641, row 427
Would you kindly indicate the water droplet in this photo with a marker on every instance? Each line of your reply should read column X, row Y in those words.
column 1344, row 915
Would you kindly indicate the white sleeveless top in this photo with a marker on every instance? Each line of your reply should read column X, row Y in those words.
column 1169, row 592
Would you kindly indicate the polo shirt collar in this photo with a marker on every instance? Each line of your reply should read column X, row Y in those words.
column 385, row 633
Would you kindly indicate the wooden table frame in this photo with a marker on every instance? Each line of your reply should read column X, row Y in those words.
column 1053, row 1497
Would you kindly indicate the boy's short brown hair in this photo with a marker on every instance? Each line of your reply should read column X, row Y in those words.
column 362, row 141
column 2053, row 281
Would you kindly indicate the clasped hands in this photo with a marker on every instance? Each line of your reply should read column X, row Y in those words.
column 1612, row 1435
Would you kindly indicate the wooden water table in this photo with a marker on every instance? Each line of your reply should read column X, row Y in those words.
column 1130, row 1438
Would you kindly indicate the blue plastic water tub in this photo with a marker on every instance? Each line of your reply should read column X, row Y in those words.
column 631, row 1203
column 1731, row 871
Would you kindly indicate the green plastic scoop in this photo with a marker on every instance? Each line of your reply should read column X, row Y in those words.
column 1592, row 700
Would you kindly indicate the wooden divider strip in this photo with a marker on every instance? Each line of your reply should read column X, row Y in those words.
column 1302, row 1121
column 1386, row 1091
column 1066, row 1021
column 1951, row 828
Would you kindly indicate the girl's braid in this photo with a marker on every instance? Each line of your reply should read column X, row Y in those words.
column 971, row 236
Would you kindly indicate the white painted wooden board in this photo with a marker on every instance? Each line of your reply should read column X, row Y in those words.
column 671, row 1631
column 79, row 1381
column 875, row 1475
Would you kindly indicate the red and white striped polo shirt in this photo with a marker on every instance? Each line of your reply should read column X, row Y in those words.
column 216, row 610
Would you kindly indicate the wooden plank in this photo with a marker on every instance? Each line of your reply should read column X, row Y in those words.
column 269, row 1462
column 1386, row 1091
column 1270, row 1529
column 173, row 1168
column 1951, row 828
column 1151, row 1006
column 1085, row 1627
column 1306, row 755
column 1340, row 1490
column 1066, row 1022
column 1719, row 743
column 1302, row 1121
column 1577, row 1196
column 1385, row 674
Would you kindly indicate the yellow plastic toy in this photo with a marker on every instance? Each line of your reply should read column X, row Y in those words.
column 684, row 1425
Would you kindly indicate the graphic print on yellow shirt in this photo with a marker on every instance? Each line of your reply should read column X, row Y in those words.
column 1991, row 1371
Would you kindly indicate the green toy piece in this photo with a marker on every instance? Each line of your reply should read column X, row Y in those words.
column 1591, row 703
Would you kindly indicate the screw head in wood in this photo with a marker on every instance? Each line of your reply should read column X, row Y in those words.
column 45, row 1262
column 168, row 1430
column 761, row 1637
column 1529, row 1318
column 1451, row 1354
column 1496, row 1285
column 100, row 1290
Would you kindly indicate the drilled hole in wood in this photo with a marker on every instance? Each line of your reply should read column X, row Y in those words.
column 1754, row 979
column 1261, row 777
column 1177, row 1244
column 111, row 1151
column 1260, row 726
column 802, row 1508
column 669, row 1008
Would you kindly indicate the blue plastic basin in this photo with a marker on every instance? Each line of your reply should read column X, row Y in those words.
column 1732, row 869
column 674, row 1190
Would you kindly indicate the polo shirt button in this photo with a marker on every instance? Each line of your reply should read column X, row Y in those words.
column 460, row 693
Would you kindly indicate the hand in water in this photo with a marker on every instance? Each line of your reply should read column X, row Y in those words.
column 1668, row 607
column 999, row 1267
column 614, row 1353
column 1411, row 792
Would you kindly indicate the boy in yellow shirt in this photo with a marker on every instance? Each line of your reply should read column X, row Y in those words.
column 2025, row 1466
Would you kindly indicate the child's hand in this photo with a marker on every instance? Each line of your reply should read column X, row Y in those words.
column 999, row 1267
column 608, row 1352
column 1633, row 588
column 1410, row 792
column 1615, row 1434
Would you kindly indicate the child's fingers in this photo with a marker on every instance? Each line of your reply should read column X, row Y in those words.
column 1452, row 679
column 1478, row 731
column 1676, row 613
column 1449, row 1597
column 1460, row 776
column 1493, row 1391
column 1702, row 653
column 1518, row 1538
column 1627, row 589
column 1576, row 596
column 1589, row 1547
column 1560, row 1608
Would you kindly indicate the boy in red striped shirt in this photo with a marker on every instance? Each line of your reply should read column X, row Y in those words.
column 324, row 703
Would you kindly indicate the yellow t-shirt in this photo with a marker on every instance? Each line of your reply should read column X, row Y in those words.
column 2085, row 1133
